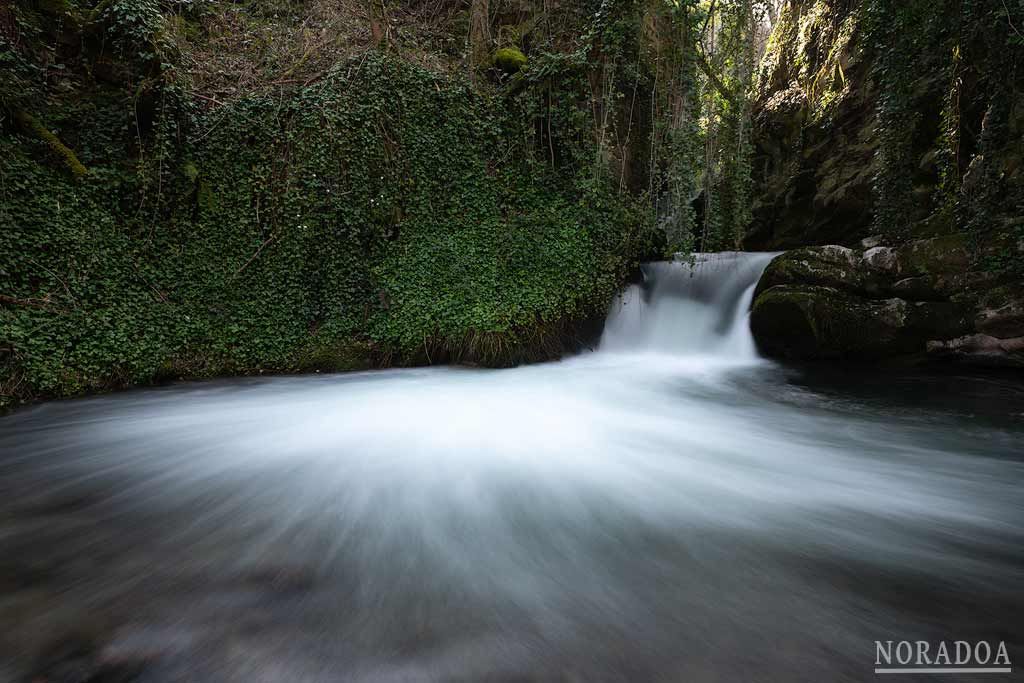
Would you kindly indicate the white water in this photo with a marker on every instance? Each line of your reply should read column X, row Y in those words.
column 671, row 507
column 685, row 309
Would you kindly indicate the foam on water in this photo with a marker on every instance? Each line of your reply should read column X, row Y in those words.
column 588, row 515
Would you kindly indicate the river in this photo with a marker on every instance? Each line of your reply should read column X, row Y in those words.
column 668, row 507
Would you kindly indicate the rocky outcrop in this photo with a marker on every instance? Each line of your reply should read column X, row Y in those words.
column 814, row 131
column 981, row 349
column 854, row 134
column 899, row 146
column 923, row 299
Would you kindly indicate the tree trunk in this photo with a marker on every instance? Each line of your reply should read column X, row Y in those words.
column 479, row 34
column 379, row 24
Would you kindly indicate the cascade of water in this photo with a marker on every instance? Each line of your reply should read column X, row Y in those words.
column 683, row 307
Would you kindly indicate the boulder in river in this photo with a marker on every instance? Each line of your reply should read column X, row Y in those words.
column 921, row 299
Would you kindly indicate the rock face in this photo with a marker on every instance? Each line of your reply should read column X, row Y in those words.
column 857, row 143
column 844, row 129
column 814, row 131
column 922, row 299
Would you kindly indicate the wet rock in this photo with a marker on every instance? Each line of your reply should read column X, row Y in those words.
column 881, row 260
column 941, row 287
column 833, row 301
column 828, row 266
column 807, row 321
column 1001, row 313
column 980, row 349
column 938, row 255
column 916, row 288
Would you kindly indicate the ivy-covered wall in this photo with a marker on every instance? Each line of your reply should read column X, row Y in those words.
column 378, row 213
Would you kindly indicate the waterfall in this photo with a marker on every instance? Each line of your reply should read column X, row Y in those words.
column 667, row 508
column 686, row 307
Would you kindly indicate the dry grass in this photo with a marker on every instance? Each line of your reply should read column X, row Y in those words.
column 236, row 49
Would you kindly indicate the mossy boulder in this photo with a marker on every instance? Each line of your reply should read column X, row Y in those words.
column 935, row 256
column 510, row 60
column 921, row 297
column 828, row 266
column 810, row 322
column 933, row 269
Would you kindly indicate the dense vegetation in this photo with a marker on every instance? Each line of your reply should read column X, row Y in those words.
column 196, row 189
column 191, row 189
column 382, row 212
column 897, row 119
column 276, row 232
column 968, row 115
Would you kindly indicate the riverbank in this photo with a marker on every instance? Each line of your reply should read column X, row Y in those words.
column 350, row 224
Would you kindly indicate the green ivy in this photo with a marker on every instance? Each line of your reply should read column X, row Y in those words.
column 949, row 166
column 384, row 214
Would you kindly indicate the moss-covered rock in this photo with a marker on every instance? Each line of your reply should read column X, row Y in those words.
column 510, row 60
column 810, row 322
column 931, row 269
column 828, row 266
column 833, row 302
column 943, row 255
column 814, row 140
